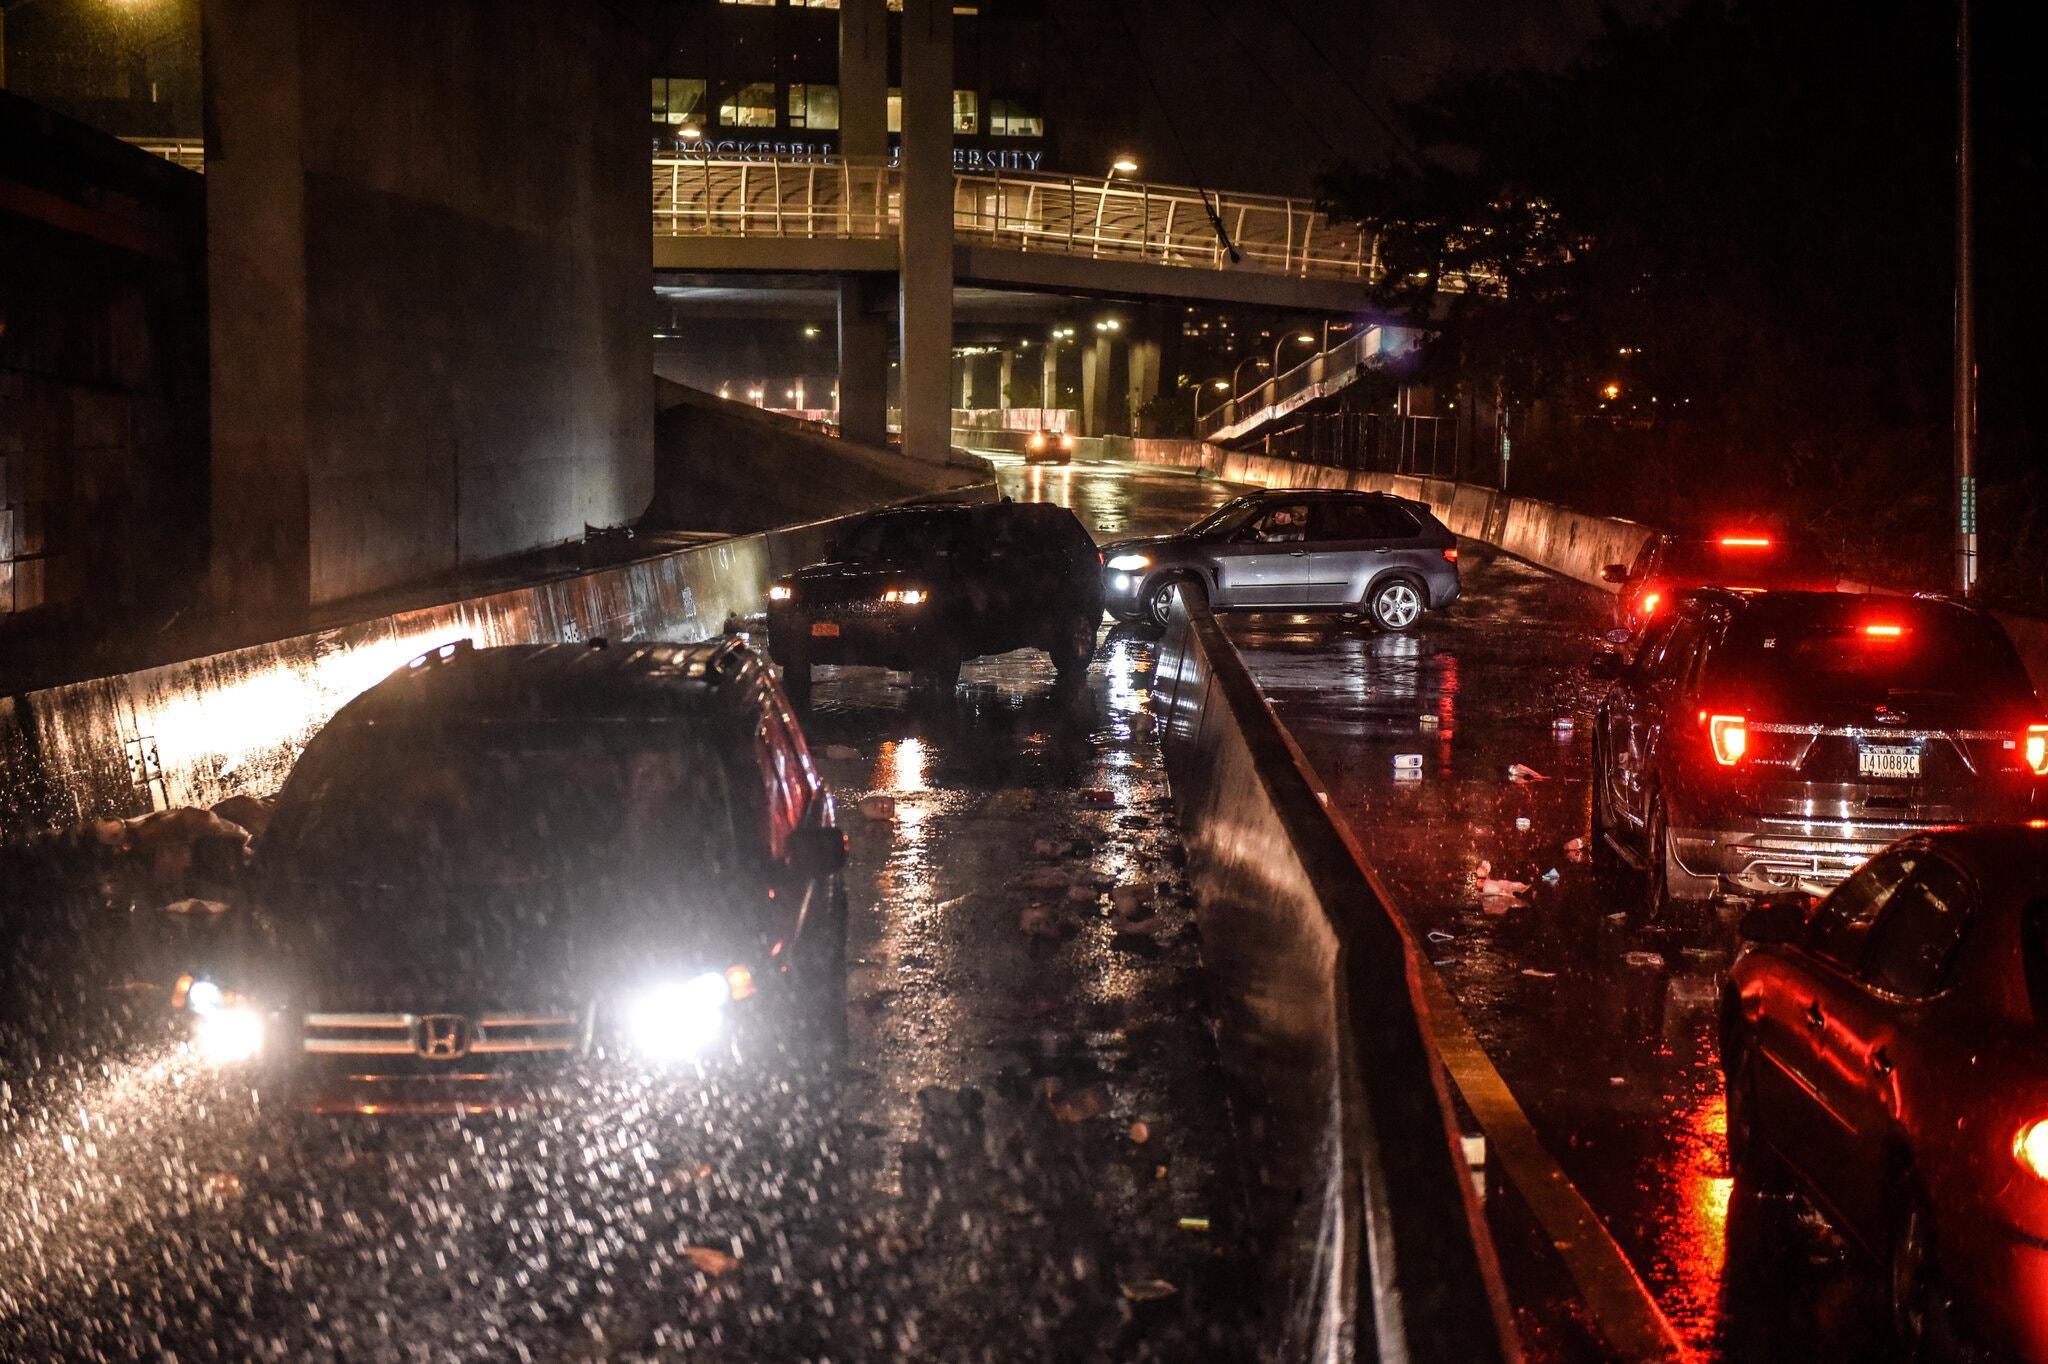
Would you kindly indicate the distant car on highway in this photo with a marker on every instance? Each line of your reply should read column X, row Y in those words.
column 1668, row 566
column 1049, row 447
column 500, row 867
column 1295, row 549
column 920, row 589
column 1761, row 741
column 1885, row 1048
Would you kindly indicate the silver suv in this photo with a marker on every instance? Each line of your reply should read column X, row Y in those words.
column 1295, row 549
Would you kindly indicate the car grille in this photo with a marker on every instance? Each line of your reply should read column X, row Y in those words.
column 407, row 1035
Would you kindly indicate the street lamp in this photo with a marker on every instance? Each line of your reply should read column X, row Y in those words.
column 1124, row 165
column 1299, row 338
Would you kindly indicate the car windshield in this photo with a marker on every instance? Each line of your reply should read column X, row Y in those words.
column 1226, row 516
column 1722, row 563
column 1868, row 651
column 502, row 805
column 902, row 535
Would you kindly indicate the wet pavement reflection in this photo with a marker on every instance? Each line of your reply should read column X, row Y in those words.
column 1028, row 1157
column 1602, row 1026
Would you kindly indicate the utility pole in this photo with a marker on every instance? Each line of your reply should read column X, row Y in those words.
column 1966, row 325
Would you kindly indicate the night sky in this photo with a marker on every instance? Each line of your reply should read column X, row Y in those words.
column 1255, row 105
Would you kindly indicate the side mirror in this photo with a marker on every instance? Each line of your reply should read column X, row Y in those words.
column 1775, row 921
column 1614, row 573
column 815, row 853
column 1606, row 665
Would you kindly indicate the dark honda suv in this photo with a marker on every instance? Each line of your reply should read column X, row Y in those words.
column 1760, row 742
column 501, row 867
column 920, row 589
column 1295, row 549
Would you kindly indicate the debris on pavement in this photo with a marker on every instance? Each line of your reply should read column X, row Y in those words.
column 1193, row 1224
column 1140, row 1132
column 1535, row 974
column 1148, row 1290
column 1407, row 762
column 1438, row 935
column 711, row 1261
column 195, row 905
column 1038, row 922
column 877, row 808
column 1524, row 772
column 1098, row 795
column 1521, row 824
column 841, row 752
column 1643, row 959
column 1572, row 845
column 1551, row 877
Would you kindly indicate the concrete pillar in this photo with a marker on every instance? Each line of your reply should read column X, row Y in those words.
column 925, row 252
column 1143, row 383
column 864, row 78
column 1049, row 377
column 864, row 359
column 421, row 358
column 964, row 366
column 1096, row 362
column 1006, row 374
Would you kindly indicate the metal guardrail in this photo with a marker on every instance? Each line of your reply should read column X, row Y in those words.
column 1270, row 396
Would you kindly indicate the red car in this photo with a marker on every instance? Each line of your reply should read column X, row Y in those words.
column 1745, row 560
column 1888, row 1048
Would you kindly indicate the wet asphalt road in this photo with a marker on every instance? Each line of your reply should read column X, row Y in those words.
column 1602, row 1027
column 1029, row 1157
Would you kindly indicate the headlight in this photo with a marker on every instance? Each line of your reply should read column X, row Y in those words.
column 677, row 1021
column 1127, row 563
column 781, row 592
column 906, row 596
column 1038, row 442
column 229, row 1035
column 224, row 1029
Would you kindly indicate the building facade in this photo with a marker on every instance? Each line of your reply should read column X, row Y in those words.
column 760, row 77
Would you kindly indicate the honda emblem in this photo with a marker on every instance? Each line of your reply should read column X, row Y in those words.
column 442, row 1037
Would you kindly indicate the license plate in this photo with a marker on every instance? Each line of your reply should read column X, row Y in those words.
column 1878, row 760
column 825, row 629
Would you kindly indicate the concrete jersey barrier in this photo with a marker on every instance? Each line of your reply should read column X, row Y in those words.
column 198, row 731
column 1573, row 543
column 1378, row 1245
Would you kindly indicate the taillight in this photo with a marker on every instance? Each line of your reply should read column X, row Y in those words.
column 1884, row 631
column 1450, row 556
column 1745, row 542
column 1730, row 736
column 1646, row 605
column 2034, row 748
column 2030, row 1148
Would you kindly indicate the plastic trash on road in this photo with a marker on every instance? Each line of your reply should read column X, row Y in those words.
column 1522, row 824
column 1524, row 772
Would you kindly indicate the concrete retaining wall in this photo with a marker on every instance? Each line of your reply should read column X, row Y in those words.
column 198, row 731
column 1574, row 543
column 1376, row 1244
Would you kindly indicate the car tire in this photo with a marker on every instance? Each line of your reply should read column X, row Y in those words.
column 1672, row 887
column 1913, row 1277
column 823, row 981
column 940, row 675
column 1073, row 647
column 796, row 680
column 1395, row 604
column 1751, row 1161
column 1159, row 599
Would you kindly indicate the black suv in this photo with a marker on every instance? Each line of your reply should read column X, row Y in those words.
column 1295, row 549
column 922, row 588
column 498, row 864
column 1761, row 741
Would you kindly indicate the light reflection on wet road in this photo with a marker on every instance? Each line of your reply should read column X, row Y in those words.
column 1603, row 1029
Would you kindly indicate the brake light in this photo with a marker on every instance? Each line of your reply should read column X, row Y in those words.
column 2030, row 1148
column 1647, row 603
column 1450, row 556
column 2034, row 748
column 1884, row 631
column 1745, row 542
column 1730, row 737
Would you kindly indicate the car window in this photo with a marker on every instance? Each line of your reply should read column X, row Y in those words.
column 903, row 535
column 1914, row 939
column 1841, row 925
column 1280, row 523
column 1345, row 519
column 1674, row 650
column 1864, row 651
column 1226, row 517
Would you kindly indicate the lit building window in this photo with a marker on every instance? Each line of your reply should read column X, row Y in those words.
column 678, row 100
column 966, row 112
column 749, row 106
column 814, row 106
column 746, row 2
column 895, row 111
column 1010, row 116
column 815, row 4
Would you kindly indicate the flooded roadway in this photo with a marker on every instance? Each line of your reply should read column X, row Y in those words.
column 1029, row 1157
column 1602, row 1028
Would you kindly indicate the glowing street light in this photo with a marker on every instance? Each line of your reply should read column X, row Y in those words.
column 1126, row 165
column 1611, row 391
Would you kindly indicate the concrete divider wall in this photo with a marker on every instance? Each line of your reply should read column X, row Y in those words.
column 1377, row 1244
column 198, row 731
column 1574, row 543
